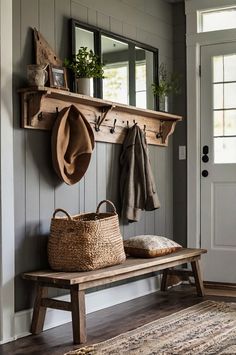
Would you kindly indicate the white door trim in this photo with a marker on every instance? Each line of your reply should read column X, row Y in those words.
column 194, row 42
column 7, row 253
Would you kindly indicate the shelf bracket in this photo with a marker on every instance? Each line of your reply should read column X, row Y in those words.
column 101, row 118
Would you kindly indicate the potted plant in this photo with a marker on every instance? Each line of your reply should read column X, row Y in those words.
column 169, row 83
column 85, row 65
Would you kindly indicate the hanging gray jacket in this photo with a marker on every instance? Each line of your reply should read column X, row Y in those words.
column 138, row 190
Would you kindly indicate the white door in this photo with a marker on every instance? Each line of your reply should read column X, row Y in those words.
column 218, row 161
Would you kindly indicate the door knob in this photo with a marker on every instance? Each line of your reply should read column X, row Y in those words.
column 205, row 159
column 205, row 173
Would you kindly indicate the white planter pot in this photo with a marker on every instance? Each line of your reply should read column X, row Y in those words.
column 83, row 86
column 163, row 103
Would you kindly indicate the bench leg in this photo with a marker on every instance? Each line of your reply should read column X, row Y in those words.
column 39, row 311
column 198, row 278
column 78, row 315
column 164, row 280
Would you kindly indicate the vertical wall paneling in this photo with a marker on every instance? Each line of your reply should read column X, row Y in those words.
column 155, row 168
column 28, row 243
column 62, row 34
column 19, row 145
column 180, row 136
column 81, row 195
column 90, row 183
column 101, row 172
column 162, row 186
column 169, row 211
column 150, row 216
column 103, row 21
column 92, row 17
column 38, row 190
column 46, row 183
column 46, row 178
column 80, row 12
column 116, row 26
column 67, row 197
column 47, row 21
column 29, row 20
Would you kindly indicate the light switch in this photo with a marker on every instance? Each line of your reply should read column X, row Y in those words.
column 182, row 152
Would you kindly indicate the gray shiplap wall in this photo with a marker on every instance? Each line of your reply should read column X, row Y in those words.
column 37, row 190
column 180, row 136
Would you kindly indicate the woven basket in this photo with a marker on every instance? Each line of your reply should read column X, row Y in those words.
column 85, row 242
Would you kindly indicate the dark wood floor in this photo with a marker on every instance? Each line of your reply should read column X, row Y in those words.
column 110, row 322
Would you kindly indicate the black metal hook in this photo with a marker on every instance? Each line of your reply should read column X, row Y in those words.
column 40, row 116
column 44, row 115
column 127, row 124
column 160, row 133
column 97, row 129
column 112, row 130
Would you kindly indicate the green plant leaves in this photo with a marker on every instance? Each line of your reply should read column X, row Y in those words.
column 168, row 83
column 85, row 64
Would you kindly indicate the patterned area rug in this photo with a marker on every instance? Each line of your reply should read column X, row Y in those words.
column 206, row 328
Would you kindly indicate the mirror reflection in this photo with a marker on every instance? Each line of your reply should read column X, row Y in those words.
column 144, row 73
column 115, row 57
column 85, row 38
column 129, row 68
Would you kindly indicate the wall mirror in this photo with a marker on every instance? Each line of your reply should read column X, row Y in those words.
column 130, row 68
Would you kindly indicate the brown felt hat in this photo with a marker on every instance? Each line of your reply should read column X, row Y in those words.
column 72, row 145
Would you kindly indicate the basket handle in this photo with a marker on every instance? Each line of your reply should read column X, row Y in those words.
column 107, row 201
column 61, row 210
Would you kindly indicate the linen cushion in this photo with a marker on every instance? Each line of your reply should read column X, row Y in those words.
column 150, row 246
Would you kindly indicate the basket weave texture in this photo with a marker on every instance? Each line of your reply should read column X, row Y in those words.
column 85, row 242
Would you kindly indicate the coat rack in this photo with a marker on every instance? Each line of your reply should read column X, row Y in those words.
column 40, row 107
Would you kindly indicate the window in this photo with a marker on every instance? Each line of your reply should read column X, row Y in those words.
column 215, row 20
column 224, row 108
column 130, row 68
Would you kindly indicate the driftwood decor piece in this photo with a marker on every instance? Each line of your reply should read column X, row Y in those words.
column 109, row 120
column 44, row 54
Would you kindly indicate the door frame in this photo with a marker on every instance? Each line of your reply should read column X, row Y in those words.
column 194, row 41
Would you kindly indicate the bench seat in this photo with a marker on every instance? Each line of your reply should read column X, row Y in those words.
column 79, row 282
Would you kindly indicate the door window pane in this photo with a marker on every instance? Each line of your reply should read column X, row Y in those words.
column 230, row 95
column 218, row 123
column 230, row 67
column 218, row 69
column 225, row 150
column 218, row 96
column 230, row 123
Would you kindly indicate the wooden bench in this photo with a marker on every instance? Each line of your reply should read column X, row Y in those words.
column 79, row 282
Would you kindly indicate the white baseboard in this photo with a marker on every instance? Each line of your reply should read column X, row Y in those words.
column 94, row 301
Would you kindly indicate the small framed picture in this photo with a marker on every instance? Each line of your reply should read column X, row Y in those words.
column 58, row 77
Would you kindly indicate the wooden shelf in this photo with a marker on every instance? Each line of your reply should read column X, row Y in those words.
column 40, row 107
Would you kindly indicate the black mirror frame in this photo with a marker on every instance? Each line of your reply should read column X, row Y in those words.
column 98, row 32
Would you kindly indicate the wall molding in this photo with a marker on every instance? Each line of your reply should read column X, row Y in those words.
column 95, row 301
